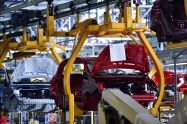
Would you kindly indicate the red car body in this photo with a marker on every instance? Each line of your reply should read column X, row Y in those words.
column 170, row 85
column 87, row 87
column 169, row 81
column 168, row 20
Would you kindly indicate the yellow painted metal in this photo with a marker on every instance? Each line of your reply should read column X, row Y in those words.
column 59, row 34
column 52, row 56
column 152, row 72
column 56, row 55
column 4, row 36
column 71, row 109
column 19, row 118
column 185, row 6
column 63, row 49
column 107, row 15
column 50, row 23
column 5, row 42
column 40, row 36
column 137, row 18
column 3, row 53
column 24, row 36
column 128, row 14
column 82, row 37
column 151, row 32
column 71, row 61
column 78, row 18
column 133, row 38
column 121, row 19
column 41, row 45
column 159, row 71
column 176, row 45
column 1, row 65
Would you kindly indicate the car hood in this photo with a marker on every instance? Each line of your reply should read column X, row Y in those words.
column 34, row 68
column 136, row 58
column 168, row 76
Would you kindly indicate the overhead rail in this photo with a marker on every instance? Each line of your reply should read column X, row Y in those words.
column 67, row 9
column 25, row 4
column 125, row 27
column 169, row 52
column 71, row 10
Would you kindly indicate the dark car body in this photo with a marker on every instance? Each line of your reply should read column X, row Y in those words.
column 169, row 20
column 87, row 86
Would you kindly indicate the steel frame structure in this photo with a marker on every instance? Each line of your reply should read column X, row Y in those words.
column 125, row 26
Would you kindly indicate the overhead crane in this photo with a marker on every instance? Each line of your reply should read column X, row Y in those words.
column 125, row 27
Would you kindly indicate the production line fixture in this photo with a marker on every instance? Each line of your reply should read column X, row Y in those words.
column 125, row 27
column 91, row 75
column 42, row 44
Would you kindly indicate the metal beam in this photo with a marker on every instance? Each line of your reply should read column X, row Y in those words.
column 68, row 12
column 169, row 52
column 85, row 8
column 26, row 4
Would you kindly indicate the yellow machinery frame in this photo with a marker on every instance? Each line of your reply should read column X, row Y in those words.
column 124, row 27
column 41, row 45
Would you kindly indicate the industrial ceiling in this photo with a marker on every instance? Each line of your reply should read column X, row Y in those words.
column 65, row 18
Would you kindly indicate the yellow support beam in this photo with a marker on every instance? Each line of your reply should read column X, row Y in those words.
column 176, row 45
column 152, row 72
column 3, row 53
column 82, row 38
column 24, row 36
column 185, row 6
column 158, row 67
column 56, row 56
column 50, row 23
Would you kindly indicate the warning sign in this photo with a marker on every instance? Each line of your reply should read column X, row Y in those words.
column 52, row 117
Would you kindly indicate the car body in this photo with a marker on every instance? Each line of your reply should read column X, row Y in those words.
column 28, row 87
column 170, row 85
column 88, row 85
column 169, row 81
column 169, row 20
